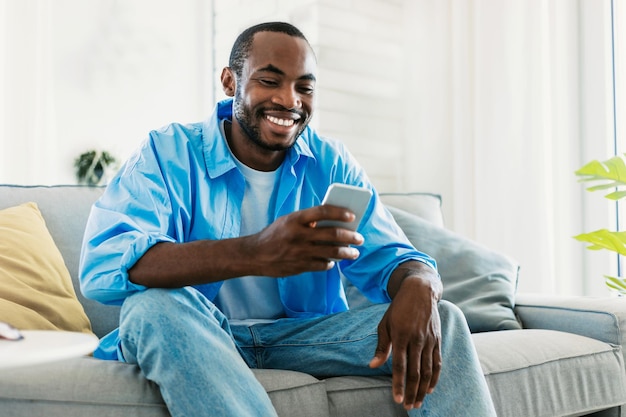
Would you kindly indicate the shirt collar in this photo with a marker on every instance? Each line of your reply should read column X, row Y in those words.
column 217, row 156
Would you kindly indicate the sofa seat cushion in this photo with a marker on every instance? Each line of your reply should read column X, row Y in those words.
column 95, row 387
column 294, row 393
column 549, row 373
column 362, row 396
column 80, row 387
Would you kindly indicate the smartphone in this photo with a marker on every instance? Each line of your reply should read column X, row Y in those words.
column 355, row 199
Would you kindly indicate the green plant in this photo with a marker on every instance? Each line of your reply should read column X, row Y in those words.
column 92, row 165
column 612, row 176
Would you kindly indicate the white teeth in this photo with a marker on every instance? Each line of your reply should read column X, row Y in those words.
column 280, row 122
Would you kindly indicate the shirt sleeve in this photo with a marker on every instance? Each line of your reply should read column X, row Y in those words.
column 131, row 216
column 386, row 246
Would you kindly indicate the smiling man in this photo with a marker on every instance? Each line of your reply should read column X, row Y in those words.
column 284, row 117
column 207, row 239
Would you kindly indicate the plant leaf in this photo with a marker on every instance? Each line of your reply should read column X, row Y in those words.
column 605, row 239
column 613, row 184
column 617, row 195
column 614, row 283
column 612, row 170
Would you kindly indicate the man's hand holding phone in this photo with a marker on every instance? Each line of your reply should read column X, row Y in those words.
column 311, row 239
column 355, row 199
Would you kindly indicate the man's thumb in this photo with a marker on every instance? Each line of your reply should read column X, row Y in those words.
column 383, row 350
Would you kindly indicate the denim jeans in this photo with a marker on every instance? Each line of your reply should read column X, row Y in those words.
column 201, row 364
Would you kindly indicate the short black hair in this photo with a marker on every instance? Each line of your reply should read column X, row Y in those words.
column 243, row 43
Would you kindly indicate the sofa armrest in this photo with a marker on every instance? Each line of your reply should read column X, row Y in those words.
column 601, row 318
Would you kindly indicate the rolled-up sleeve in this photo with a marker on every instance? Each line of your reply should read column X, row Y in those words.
column 386, row 246
column 132, row 215
column 385, row 249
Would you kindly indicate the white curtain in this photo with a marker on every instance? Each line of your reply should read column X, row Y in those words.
column 27, row 110
column 507, row 100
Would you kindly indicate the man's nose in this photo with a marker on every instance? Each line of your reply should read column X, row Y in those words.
column 288, row 97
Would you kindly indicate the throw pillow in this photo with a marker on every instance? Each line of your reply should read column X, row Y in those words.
column 424, row 205
column 480, row 281
column 36, row 291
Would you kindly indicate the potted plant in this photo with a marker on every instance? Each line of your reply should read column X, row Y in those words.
column 92, row 167
column 611, row 175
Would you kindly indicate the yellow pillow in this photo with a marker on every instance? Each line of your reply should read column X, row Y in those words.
column 36, row 291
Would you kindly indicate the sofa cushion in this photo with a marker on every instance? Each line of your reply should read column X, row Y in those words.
column 424, row 205
column 480, row 281
column 65, row 209
column 362, row 396
column 92, row 385
column 545, row 373
column 36, row 290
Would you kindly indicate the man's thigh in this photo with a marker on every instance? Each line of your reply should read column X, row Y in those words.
column 337, row 344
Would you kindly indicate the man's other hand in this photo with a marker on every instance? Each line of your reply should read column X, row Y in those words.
column 410, row 331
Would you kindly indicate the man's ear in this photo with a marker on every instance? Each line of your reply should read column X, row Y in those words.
column 228, row 82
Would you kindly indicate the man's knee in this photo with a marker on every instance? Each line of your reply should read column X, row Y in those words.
column 150, row 301
column 167, row 309
column 451, row 315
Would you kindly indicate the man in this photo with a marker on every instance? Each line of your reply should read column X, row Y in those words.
column 207, row 237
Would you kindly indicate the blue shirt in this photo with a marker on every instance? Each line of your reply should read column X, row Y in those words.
column 183, row 185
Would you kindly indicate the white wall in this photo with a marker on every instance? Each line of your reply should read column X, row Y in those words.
column 360, row 57
column 491, row 104
column 84, row 74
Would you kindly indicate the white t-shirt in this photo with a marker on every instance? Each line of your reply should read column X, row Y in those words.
column 253, row 299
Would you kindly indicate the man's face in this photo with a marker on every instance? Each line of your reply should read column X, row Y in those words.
column 274, row 95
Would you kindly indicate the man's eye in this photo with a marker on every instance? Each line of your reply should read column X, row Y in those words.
column 268, row 82
column 307, row 90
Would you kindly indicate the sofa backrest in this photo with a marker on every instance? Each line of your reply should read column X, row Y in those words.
column 424, row 205
column 66, row 208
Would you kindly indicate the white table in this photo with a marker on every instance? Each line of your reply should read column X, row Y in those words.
column 40, row 346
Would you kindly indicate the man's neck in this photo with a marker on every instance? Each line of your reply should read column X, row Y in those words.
column 249, row 153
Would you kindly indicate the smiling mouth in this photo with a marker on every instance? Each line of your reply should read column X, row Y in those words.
column 280, row 122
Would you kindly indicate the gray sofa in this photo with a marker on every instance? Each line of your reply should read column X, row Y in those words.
column 567, row 360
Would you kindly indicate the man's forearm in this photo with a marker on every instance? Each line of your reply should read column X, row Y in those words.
column 173, row 265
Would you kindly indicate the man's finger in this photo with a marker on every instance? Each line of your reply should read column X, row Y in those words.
column 436, row 368
column 379, row 359
column 426, row 376
column 415, row 374
column 430, row 369
column 398, row 377
column 383, row 348
column 323, row 212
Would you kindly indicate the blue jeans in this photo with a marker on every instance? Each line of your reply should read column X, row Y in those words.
column 201, row 364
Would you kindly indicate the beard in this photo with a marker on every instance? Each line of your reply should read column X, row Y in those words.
column 246, row 118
